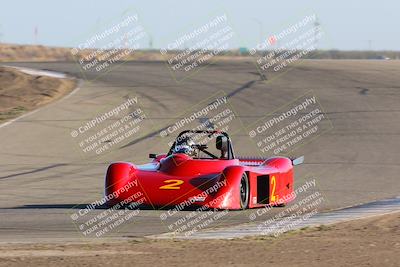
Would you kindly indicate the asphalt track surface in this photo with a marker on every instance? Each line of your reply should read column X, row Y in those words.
column 44, row 175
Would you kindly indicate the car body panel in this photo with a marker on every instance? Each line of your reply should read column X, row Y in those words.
column 179, row 180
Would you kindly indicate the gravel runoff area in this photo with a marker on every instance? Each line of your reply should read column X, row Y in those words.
column 368, row 242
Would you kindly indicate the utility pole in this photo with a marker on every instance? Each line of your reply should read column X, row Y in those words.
column 369, row 45
column 150, row 42
column 35, row 35
column 260, row 30
column 263, row 77
column 316, row 32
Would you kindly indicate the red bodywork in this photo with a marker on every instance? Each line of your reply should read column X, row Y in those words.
column 179, row 180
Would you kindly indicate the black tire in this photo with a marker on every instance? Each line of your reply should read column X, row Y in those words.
column 244, row 192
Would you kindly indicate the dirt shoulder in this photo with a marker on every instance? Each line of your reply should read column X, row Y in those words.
column 21, row 92
column 369, row 242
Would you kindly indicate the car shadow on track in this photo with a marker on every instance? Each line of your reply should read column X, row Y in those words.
column 102, row 207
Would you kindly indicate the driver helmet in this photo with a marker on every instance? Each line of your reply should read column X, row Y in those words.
column 185, row 145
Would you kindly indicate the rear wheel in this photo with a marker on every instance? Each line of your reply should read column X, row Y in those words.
column 244, row 192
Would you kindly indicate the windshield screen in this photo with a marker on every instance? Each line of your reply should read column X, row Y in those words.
column 198, row 145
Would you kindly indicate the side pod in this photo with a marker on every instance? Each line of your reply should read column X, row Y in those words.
column 228, row 196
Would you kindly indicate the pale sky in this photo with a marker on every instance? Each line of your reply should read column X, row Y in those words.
column 350, row 24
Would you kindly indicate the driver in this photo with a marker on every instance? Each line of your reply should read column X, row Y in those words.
column 185, row 146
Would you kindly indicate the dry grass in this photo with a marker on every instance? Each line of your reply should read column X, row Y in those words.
column 21, row 92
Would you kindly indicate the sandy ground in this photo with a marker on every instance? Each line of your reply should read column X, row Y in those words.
column 14, row 52
column 38, row 53
column 369, row 242
column 21, row 92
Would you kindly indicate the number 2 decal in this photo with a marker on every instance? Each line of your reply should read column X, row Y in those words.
column 273, row 186
column 171, row 184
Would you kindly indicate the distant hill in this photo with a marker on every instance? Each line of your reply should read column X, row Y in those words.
column 13, row 52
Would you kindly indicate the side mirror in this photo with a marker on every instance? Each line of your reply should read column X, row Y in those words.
column 298, row 161
column 152, row 156
column 222, row 143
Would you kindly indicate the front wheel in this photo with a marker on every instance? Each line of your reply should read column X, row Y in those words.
column 244, row 192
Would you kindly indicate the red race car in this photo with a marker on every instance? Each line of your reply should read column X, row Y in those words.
column 195, row 174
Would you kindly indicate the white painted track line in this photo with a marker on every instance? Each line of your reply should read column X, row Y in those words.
column 376, row 208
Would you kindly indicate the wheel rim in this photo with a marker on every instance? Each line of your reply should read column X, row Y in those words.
column 243, row 191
